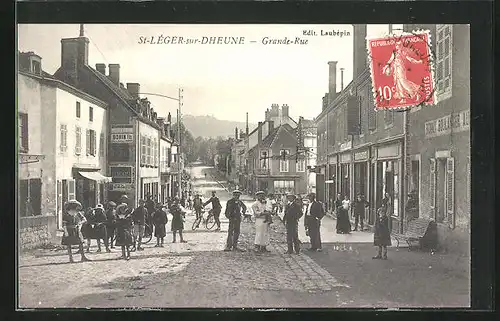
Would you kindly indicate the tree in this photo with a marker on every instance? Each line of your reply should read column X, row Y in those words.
column 187, row 142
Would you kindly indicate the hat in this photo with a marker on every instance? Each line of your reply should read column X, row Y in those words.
column 111, row 203
column 291, row 195
column 100, row 206
column 124, row 197
column 259, row 193
column 73, row 204
column 236, row 191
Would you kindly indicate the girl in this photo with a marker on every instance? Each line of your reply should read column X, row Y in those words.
column 88, row 227
column 124, row 230
column 382, row 236
column 100, row 229
column 159, row 220
column 111, row 221
column 178, row 215
column 71, row 221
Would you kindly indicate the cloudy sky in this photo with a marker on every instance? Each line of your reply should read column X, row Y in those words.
column 225, row 81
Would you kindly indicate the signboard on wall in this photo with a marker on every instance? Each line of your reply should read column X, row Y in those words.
column 121, row 187
column 122, row 174
column 122, row 134
column 443, row 126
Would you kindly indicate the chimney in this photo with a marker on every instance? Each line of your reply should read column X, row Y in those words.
column 259, row 132
column 236, row 133
column 325, row 102
column 359, row 50
column 342, row 79
column 114, row 73
column 133, row 88
column 247, row 131
column 74, row 54
column 332, row 80
column 271, row 125
column 284, row 110
column 267, row 114
column 161, row 122
column 242, row 134
column 101, row 68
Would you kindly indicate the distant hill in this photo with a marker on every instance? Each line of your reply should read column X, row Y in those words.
column 209, row 126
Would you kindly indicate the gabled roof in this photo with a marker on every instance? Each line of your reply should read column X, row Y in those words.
column 271, row 138
column 307, row 123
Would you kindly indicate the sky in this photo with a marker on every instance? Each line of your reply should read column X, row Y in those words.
column 222, row 80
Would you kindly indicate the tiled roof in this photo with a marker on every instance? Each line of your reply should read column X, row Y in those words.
column 307, row 123
column 120, row 92
column 270, row 139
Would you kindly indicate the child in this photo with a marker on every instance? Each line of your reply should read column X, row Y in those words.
column 382, row 236
column 124, row 230
column 177, row 220
column 270, row 207
column 159, row 220
column 71, row 221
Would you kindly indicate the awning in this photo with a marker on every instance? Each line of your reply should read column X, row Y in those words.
column 96, row 176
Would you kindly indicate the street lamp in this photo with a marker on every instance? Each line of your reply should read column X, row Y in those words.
column 179, row 100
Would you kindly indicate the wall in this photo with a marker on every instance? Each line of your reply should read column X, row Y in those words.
column 145, row 129
column 36, row 231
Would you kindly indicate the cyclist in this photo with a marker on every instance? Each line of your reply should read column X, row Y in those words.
column 198, row 206
column 216, row 208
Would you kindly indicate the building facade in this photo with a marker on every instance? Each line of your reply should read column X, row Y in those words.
column 73, row 144
column 168, row 168
column 134, row 127
column 309, row 150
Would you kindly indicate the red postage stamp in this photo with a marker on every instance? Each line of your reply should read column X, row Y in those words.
column 401, row 71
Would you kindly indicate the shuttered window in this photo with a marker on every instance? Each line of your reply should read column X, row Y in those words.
column 78, row 140
column 23, row 132
column 91, row 114
column 101, row 145
column 64, row 138
column 432, row 187
column 143, row 150
column 78, row 110
column 444, row 37
column 450, row 191
column 59, row 204
column 71, row 189
column 389, row 118
column 87, row 141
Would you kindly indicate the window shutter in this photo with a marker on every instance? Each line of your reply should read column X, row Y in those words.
column 71, row 189
column 94, row 143
column 87, row 141
column 24, row 120
column 78, row 142
column 101, row 144
column 59, row 204
column 450, row 191
column 432, row 187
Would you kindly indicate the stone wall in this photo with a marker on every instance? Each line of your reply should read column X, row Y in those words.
column 35, row 231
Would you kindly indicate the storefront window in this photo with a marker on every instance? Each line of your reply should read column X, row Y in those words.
column 390, row 172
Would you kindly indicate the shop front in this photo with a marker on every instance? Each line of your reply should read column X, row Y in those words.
column 165, row 188
column 150, row 186
column 344, row 182
column 331, row 182
column 90, row 186
column 123, row 183
column 387, row 181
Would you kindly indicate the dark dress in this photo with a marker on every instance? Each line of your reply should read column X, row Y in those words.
column 100, row 230
column 124, row 232
column 88, row 227
column 159, row 220
column 382, row 235
column 343, row 224
column 74, row 235
column 177, row 219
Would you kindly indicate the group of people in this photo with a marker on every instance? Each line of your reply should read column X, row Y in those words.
column 120, row 223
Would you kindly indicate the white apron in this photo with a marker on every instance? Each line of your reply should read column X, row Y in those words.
column 261, row 228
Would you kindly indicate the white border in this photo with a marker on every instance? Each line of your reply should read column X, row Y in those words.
column 431, row 64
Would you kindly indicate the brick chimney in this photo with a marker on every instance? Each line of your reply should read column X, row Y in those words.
column 247, row 132
column 267, row 114
column 114, row 73
column 332, row 81
column 236, row 133
column 259, row 133
column 161, row 122
column 134, row 89
column 101, row 68
column 359, row 50
column 284, row 110
column 271, row 125
column 74, row 54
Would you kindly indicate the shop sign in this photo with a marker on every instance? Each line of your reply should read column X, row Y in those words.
column 360, row 156
column 121, row 174
column 444, row 126
column 345, row 158
column 122, row 134
column 121, row 187
column 332, row 160
column 345, row 146
column 390, row 151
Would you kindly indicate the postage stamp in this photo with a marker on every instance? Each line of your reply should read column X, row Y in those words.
column 402, row 71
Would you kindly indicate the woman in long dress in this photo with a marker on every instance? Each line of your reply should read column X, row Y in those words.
column 159, row 220
column 261, row 211
column 382, row 235
column 343, row 223
column 72, row 220
column 396, row 65
column 178, row 214
column 124, row 228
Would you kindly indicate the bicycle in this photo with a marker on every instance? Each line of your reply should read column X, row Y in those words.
column 209, row 222
column 146, row 238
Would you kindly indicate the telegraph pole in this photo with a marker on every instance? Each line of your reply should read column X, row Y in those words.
column 179, row 153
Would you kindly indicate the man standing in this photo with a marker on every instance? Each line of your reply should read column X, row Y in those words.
column 314, row 214
column 261, row 211
column 359, row 207
column 139, row 218
column 234, row 209
column 216, row 208
column 293, row 212
column 197, row 205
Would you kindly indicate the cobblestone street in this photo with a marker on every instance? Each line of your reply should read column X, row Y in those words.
column 199, row 274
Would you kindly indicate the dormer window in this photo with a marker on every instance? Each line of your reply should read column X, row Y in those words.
column 36, row 67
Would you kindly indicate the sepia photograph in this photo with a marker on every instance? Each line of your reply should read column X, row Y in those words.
column 243, row 166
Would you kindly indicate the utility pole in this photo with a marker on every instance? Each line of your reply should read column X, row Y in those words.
column 179, row 149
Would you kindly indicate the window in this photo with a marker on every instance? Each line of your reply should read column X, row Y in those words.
column 444, row 49
column 23, row 132
column 143, row 150
column 372, row 116
column 78, row 140
column 169, row 156
column 301, row 165
column 264, row 159
column 155, row 153
column 36, row 67
column 30, row 197
column 78, row 110
column 284, row 162
column 91, row 114
column 149, row 156
column 388, row 118
column 101, row 145
column 119, row 153
column 63, row 144
column 91, row 142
